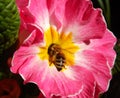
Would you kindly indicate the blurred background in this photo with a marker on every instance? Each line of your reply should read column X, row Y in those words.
column 9, row 24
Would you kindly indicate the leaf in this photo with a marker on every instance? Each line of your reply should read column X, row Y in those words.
column 9, row 24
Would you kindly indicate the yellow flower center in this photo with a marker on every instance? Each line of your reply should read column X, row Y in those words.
column 59, row 49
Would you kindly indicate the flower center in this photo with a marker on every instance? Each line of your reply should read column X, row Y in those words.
column 59, row 49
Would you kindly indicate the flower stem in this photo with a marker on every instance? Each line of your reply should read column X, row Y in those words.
column 106, row 9
column 101, row 4
column 108, row 14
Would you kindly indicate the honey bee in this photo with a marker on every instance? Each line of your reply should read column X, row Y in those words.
column 56, row 56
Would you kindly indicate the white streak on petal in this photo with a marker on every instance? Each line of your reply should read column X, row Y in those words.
column 68, row 73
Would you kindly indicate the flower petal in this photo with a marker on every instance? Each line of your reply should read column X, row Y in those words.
column 105, row 46
column 21, row 55
column 34, row 11
column 88, row 81
column 98, row 65
column 22, row 3
column 56, row 12
column 88, row 87
column 58, row 83
column 31, row 32
column 83, row 20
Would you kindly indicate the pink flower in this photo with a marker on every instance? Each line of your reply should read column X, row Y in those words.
column 65, row 48
column 9, row 88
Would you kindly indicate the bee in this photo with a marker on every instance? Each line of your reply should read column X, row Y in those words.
column 56, row 56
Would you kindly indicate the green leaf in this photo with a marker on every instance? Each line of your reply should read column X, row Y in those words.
column 9, row 24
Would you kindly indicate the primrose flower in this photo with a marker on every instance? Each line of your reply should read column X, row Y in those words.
column 65, row 48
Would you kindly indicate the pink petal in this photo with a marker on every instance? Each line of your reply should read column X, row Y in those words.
column 23, row 32
column 22, row 55
column 35, row 11
column 56, row 83
column 97, row 64
column 88, row 87
column 56, row 12
column 105, row 46
column 83, row 20
column 22, row 3
column 25, row 14
column 88, row 83
column 31, row 32
column 97, row 92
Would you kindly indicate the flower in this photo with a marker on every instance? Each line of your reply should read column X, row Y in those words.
column 65, row 48
column 9, row 88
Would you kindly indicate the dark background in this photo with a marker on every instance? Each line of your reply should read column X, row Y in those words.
column 115, row 17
